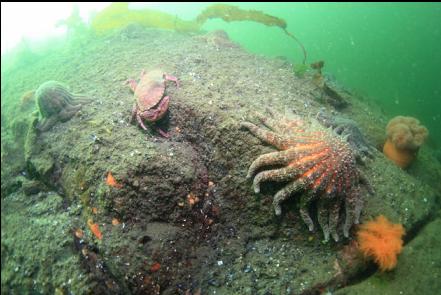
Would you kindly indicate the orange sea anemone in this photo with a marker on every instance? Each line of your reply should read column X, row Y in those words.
column 405, row 135
column 381, row 240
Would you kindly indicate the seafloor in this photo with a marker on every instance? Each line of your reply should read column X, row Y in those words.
column 229, row 241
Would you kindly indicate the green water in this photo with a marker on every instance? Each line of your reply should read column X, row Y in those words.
column 389, row 53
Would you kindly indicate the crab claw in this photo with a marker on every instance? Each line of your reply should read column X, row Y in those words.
column 158, row 112
column 133, row 84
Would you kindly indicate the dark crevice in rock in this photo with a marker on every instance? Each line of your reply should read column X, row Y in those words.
column 419, row 225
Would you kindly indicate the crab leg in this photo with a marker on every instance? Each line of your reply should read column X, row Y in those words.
column 138, row 117
column 133, row 84
column 171, row 78
column 162, row 132
column 133, row 112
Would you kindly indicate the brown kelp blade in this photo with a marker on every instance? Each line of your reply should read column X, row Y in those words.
column 233, row 13
column 118, row 15
column 299, row 43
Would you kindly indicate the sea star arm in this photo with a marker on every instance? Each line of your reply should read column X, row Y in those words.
column 282, row 174
column 305, row 200
column 334, row 215
column 277, row 123
column 270, row 122
column 323, row 217
column 328, row 215
column 284, row 193
column 68, row 112
column 47, row 123
column 365, row 181
column 274, row 158
column 266, row 136
column 350, row 211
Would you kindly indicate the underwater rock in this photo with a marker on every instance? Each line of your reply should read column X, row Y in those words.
column 101, row 271
column 27, row 101
column 38, row 165
column 56, row 103
column 32, row 187
column 218, row 39
column 19, row 127
column 11, row 185
column 331, row 92
column 338, row 97
column 166, row 179
column 160, row 177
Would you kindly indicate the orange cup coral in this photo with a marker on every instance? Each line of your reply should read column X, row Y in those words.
column 405, row 135
column 381, row 240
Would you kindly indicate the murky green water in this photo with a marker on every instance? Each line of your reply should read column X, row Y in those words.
column 387, row 52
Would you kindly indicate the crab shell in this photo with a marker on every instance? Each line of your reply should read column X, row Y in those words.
column 150, row 90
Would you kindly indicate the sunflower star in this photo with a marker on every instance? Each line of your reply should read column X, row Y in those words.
column 313, row 159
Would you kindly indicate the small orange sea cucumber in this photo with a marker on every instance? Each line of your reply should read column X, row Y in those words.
column 115, row 221
column 155, row 267
column 111, row 181
column 95, row 229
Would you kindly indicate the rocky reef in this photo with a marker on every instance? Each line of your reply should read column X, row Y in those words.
column 183, row 218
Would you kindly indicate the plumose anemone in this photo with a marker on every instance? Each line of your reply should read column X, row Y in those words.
column 405, row 135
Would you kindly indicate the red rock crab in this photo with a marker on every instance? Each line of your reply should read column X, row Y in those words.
column 151, row 103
